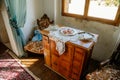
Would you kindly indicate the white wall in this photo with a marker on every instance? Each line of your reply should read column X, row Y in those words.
column 57, row 12
column 52, row 9
column 108, row 34
column 49, row 8
column 34, row 11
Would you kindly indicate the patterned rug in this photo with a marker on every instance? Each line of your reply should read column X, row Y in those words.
column 11, row 69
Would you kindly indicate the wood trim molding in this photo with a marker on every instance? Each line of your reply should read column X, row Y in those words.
column 117, row 18
column 87, row 2
column 115, row 22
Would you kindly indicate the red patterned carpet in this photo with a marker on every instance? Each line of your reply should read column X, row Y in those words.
column 10, row 69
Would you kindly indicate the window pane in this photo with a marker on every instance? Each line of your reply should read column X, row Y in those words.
column 75, row 6
column 106, row 9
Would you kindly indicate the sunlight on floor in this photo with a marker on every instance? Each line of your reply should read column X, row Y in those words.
column 29, row 62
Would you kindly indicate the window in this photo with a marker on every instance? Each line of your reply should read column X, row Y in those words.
column 107, row 11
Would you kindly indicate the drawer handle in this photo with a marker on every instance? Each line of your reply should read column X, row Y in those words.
column 64, row 69
column 55, row 63
column 74, row 79
column 75, row 73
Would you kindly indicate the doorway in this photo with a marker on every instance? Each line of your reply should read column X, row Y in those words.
column 3, row 33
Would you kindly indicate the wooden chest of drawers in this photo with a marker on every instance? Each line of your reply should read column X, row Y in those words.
column 72, row 63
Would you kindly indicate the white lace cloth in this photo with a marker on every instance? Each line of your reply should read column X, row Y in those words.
column 60, row 39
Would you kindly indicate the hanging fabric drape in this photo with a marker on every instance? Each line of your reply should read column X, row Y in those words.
column 17, row 14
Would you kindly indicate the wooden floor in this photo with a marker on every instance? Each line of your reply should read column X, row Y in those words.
column 35, row 63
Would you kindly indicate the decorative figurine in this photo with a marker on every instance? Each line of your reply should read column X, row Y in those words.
column 44, row 22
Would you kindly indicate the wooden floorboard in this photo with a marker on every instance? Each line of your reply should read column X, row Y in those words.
column 35, row 63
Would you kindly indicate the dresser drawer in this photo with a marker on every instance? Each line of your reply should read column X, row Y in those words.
column 55, row 62
column 64, row 68
column 79, row 54
column 68, row 54
column 75, row 77
column 76, row 67
column 76, row 70
column 78, row 63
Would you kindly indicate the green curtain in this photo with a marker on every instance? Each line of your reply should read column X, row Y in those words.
column 17, row 14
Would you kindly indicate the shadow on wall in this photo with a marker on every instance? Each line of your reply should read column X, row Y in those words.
column 34, row 11
column 3, row 33
column 108, row 35
column 1, row 1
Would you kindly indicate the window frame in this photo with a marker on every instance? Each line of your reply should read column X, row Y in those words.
column 85, row 16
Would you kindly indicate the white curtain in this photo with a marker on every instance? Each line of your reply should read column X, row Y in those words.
column 17, row 14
